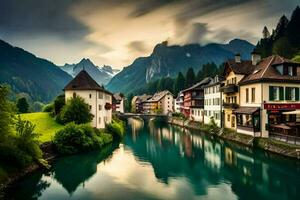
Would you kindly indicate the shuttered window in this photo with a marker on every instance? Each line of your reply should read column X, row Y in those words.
column 276, row 93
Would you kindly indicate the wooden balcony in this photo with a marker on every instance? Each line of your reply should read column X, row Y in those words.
column 230, row 88
column 230, row 105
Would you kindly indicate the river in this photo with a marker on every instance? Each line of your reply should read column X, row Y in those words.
column 160, row 161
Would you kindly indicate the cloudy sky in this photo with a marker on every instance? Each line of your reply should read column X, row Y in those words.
column 114, row 32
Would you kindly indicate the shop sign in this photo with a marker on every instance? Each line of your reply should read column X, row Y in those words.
column 287, row 106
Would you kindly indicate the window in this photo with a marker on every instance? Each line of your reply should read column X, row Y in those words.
column 247, row 95
column 228, row 118
column 252, row 95
column 100, row 95
column 290, row 70
column 232, row 121
column 90, row 96
column 275, row 93
column 100, row 107
column 291, row 94
column 90, row 107
column 99, row 120
column 234, row 80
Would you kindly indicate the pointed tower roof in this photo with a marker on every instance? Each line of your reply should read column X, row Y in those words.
column 83, row 81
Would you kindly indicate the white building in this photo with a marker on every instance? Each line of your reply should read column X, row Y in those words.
column 212, row 102
column 178, row 102
column 99, row 99
column 118, row 103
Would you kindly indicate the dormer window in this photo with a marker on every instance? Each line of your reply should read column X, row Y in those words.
column 290, row 71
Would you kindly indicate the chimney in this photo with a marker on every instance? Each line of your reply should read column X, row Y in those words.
column 255, row 58
column 237, row 58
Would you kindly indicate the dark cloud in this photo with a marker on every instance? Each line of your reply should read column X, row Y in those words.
column 197, row 33
column 32, row 17
column 137, row 46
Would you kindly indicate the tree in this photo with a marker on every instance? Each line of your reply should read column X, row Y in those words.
column 59, row 103
column 128, row 107
column 22, row 105
column 179, row 83
column 190, row 77
column 283, row 48
column 6, row 113
column 266, row 33
column 293, row 30
column 281, row 28
column 75, row 110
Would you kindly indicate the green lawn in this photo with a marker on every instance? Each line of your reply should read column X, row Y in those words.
column 45, row 124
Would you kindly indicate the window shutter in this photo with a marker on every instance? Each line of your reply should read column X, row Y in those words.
column 287, row 93
column 271, row 93
column 281, row 93
column 295, row 72
column 297, row 94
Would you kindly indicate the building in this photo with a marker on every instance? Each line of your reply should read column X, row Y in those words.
column 99, row 99
column 269, row 99
column 179, row 102
column 213, row 101
column 234, row 71
column 118, row 103
column 138, row 101
column 161, row 102
column 193, row 100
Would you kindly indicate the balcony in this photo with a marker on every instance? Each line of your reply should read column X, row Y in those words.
column 230, row 88
column 230, row 105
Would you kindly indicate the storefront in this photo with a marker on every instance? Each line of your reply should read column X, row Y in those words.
column 283, row 118
column 248, row 120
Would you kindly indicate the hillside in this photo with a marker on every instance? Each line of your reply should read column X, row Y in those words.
column 169, row 60
column 101, row 74
column 40, row 79
column 284, row 39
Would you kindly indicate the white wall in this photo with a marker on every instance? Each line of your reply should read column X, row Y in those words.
column 93, row 98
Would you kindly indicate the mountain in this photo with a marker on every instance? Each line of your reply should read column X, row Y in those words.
column 169, row 60
column 285, row 38
column 40, row 79
column 101, row 74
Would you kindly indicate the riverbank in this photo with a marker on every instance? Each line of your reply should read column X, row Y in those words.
column 273, row 146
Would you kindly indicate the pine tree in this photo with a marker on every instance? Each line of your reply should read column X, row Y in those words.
column 22, row 105
column 190, row 78
column 266, row 33
column 179, row 83
column 293, row 29
column 6, row 113
column 281, row 28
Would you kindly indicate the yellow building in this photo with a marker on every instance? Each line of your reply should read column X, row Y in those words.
column 161, row 102
column 261, row 97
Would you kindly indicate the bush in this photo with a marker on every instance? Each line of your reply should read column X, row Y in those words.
column 116, row 128
column 22, row 105
column 75, row 110
column 48, row 108
column 178, row 114
column 23, row 148
column 79, row 138
column 59, row 103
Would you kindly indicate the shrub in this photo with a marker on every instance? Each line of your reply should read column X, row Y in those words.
column 48, row 108
column 178, row 114
column 75, row 110
column 78, row 138
column 116, row 128
column 22, row 105
column 59, row 103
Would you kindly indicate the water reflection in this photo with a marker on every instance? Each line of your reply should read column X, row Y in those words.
column 159, row 161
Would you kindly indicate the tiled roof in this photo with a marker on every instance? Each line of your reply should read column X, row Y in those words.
column 199, row 85
column 159, row 95
column 143, row 98
column 83, row 81
column 265, row 71
column 118, row 96
column 244, row 67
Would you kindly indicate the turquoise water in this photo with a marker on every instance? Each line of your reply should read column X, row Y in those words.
column 160, row 161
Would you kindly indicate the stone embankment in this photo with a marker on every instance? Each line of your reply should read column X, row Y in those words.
column 266, row 144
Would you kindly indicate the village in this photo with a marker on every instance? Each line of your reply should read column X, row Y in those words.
column 257, row 97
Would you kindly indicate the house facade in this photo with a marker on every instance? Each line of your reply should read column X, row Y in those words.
column 137, row 103
column 193, row 100
column 213, row 101
column 161, row 102
column 271, row 95
column 234, row 71
column 98, row 99
column 179, row 102
column 118, row 103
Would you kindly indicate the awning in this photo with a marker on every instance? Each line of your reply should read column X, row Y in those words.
column 292, row 112
column 246, row 110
